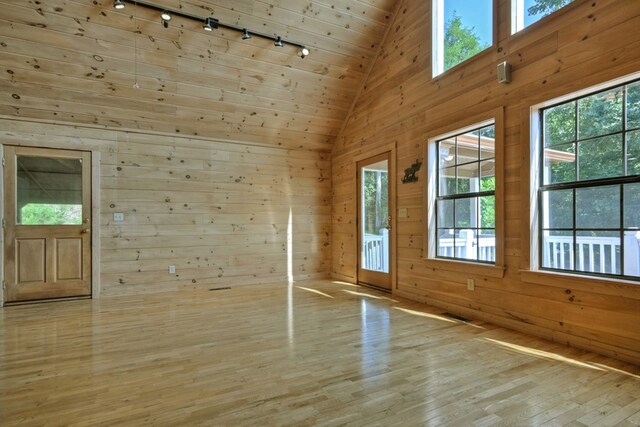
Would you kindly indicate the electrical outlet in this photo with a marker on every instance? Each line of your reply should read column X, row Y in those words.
column 172, row 269
column 118, row 216
column 471, row 285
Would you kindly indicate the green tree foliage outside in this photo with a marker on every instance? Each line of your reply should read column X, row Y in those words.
column 546, row 7
column 45, row 214
column 460, row 42
column 376, row 201
column 591, row 129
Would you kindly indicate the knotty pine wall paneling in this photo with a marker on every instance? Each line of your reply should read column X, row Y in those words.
column 219, row 211
column 586, row 43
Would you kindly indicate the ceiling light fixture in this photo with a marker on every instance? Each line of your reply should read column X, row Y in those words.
column 210, row 23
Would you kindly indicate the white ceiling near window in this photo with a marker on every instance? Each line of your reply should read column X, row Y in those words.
column 73, row 61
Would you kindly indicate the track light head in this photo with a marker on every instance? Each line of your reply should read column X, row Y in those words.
column 118, row 4
column 245, row 34
column 304, row 52
column 210, row 24
column 278, row 42
column 166, row 16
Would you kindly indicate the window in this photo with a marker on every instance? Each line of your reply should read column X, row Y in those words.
column 589, row 184
column 465, row 206
column 49, row 191
column 461, row 29
column 526, row 12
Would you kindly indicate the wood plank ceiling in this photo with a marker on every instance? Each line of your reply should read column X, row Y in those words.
column 73, row 61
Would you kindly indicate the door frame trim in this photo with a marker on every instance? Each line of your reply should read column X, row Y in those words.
column 95, row 218
column 393, row 244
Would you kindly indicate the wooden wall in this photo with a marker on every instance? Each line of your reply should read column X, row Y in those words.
column 586, row 43
column 221, row 141
column 218, row 211
column 77, row 60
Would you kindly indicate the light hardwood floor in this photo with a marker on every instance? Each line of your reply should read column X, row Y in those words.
column 313, row 353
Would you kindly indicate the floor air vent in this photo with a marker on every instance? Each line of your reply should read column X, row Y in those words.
column 453, row 316
column 219, row 289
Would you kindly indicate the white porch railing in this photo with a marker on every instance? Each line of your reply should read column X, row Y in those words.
column 464, row 246
column 594, row 254
column 375, row 251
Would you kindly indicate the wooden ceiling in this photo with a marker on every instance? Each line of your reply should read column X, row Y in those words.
column 73, row 61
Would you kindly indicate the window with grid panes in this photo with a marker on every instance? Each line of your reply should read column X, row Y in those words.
column 465, row 198
column 589, row 193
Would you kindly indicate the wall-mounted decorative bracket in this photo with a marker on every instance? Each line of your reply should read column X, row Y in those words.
column 410, row 173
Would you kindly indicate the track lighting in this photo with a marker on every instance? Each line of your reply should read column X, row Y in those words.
column 210, row 24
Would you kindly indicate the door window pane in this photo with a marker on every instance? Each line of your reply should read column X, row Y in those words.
column 49, row 191
column 375, row 216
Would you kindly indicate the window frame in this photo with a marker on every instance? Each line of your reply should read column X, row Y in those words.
column 537, row 186
column 437, row 38
column 430, row 258
column 517, row 20
column 465, row 195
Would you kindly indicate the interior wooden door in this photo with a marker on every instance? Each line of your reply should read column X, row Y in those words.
column 374, row 221
column 47, row 220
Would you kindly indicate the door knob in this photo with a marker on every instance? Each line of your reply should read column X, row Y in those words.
column 85, row 230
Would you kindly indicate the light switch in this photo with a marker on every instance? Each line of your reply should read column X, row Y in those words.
column 118, row 216
column 403, row 213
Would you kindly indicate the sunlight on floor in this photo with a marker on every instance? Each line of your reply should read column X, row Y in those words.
column 315, row 291
column 429, row 315
column 362, row 294
column 543, row 354
column 336, row 282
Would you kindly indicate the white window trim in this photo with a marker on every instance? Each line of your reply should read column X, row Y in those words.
column 495, row 117
column 534, row 179
column 517, row 16
column 437, row 50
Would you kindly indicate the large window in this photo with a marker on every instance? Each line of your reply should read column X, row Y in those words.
column 526, row 12
column 465, row 206
column 589, row 189
column 461, row 29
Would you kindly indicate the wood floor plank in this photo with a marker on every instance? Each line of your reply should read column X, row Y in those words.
column 308, row 353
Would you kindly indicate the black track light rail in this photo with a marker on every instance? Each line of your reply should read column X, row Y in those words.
column 215, row 23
